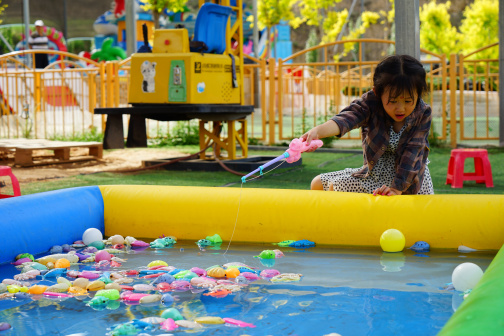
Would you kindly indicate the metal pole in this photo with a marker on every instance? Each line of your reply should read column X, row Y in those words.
column 362, row 44
column 407, row 29
column 340, row 35
column 131, row 44
column 65, row 26
column 255, row 40
column 26, row 18
column 255, row 31
column 501, row 73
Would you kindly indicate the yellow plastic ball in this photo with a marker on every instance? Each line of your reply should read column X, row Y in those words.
column 157, row 263
column 392, row 240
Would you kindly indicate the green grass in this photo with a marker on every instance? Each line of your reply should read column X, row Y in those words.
column 287, row 178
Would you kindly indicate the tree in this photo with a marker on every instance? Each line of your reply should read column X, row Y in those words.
column 436, row 31
column 269, row 14
column 480, row 27
column 158, row 6
column 329, row 22
column 2, row 9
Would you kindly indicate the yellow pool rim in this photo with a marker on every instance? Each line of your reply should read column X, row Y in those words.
column 327, row 218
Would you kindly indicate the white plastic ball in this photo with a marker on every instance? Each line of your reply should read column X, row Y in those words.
column 465, row 276
column 91, row 235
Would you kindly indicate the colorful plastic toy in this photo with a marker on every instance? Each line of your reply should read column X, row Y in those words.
column 296, row 147
column 420, row 246
column 302, row 243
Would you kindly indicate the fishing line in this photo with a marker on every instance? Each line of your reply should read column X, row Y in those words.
column 239, row 203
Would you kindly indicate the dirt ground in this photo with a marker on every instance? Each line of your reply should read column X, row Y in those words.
column 119, row 159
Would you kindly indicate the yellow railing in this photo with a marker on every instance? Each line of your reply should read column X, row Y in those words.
column 478, row 97
column 290, row 96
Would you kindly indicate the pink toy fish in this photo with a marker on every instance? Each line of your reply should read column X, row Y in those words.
column 250, row 276
column 181, row 285
column 53, row 294
column 168, row 324
column 269, row 273
column 21, row 261
column 139, row 243
column 129, row 296
column 89, row 275
column 238, row 322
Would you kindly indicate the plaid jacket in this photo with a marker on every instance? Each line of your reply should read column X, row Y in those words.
column 412, row 150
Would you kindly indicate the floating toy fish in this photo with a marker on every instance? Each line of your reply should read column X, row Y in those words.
column 286, row 277
column 203, row 242
column 220, row 293
column 54, row 273
column 266, row 254
column 168, row 325
column 269, row 273
column 215, row 239
column 238, row 322
column 285, row 243
column 142, row 325
column 302, row 243
column 125, row 329
column 98, row 300
column 165, row 277
column 163, row 242
column 129, row 296
column 420, row 246
column 25, row 255
column 54, row 294
column 139, row 243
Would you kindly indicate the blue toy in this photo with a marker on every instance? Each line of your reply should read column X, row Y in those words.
column 302, row 243
column 420, row 246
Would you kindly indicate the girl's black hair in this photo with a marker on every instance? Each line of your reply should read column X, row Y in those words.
column 402, row 73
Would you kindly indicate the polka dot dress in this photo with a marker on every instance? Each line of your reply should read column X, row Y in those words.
column 383, row 173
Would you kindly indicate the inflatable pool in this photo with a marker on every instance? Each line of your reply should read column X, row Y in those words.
column 36, row 222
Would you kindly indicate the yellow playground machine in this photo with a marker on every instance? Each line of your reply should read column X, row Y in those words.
column 185, row 78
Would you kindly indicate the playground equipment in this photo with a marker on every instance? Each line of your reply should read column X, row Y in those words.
column 112, row 25
column 205, row 81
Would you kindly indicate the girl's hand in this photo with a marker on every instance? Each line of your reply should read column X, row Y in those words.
column 312, row 134
column 386, row 191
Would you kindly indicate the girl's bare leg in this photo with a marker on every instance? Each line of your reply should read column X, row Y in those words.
column 316, row 183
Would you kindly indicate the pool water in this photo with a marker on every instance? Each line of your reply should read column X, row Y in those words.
column 347, row 291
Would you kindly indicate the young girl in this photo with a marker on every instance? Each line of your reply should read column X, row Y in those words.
column 395, row 124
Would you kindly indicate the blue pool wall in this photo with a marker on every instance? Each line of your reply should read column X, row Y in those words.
column 35, row 223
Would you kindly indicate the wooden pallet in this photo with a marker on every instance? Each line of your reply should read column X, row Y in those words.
column 24, row 151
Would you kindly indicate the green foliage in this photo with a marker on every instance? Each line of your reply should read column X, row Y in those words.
column 76, row 46
column 480, row 27
column 436, row 31
column 91, row 135
column 271, row 12
column 160, row 5
column 354, row 91
column 311, row 56
column 184, row 133
column 12, row 37
column 313, row 12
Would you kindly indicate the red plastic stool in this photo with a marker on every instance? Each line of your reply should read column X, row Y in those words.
column 6, row 171
column 483, row 170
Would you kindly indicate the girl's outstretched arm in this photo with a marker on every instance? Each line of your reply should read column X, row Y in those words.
column 327, row 129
